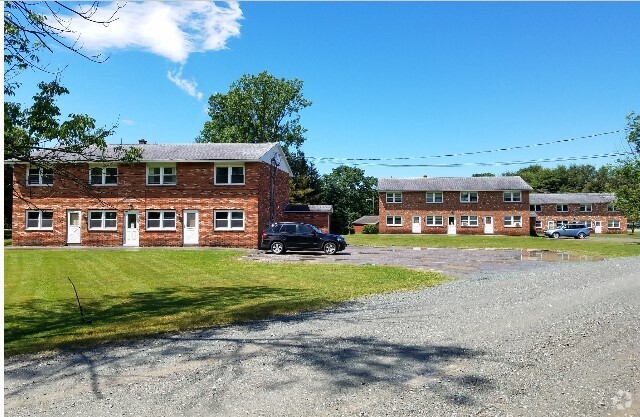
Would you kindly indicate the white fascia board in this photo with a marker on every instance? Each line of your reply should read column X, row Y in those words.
column 277, row 152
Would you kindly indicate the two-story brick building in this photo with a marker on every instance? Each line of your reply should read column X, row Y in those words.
column 221, row 194
column 467, row 205
column 596, row 210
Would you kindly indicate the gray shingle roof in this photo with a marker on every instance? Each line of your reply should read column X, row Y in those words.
column 304, row 208
column 367, row 220
column 184, row 152
column 571, row 198
column 453, row 184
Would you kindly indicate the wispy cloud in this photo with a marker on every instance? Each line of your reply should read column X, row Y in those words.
column 172, row 30
column 189, row 86
column 169, row 29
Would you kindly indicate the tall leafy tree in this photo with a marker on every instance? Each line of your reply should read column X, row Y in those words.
column 350, row 192
column 626, row 174
column 263, row 108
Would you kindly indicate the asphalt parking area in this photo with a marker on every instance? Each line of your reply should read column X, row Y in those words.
column 449, row 261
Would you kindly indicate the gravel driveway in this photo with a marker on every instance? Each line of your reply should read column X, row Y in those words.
column 559, row 339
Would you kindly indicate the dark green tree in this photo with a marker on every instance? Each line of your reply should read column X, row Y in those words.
column 626, row 174
column 350, row 192
column 484, row 174
column 305, row 184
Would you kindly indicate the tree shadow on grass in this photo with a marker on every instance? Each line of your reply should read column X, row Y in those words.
column 37, row 324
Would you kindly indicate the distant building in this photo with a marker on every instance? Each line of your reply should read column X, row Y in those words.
column 364, row 221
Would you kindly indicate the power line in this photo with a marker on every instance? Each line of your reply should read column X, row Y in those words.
column 336, row 160
column 491, row 164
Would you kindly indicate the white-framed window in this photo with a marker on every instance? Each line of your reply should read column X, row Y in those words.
column 394, row 220
column 512, row 196
column 468, row 221
column 103, row 219
column 586, row 208
column 39, row 219
column 535, row 207
column 469, row 197
column 161, row 174
column 161, row 220
column 562, row 208
column 513, row 221
column 435, row 220
column 394, row 197
column 434, row 197
column 103, row 175
column 538, row 224
column 229, row 175
column 40, row 176
column 588, row 223
column 613, row 224
column 561, row 222
column 228, row 220
column 611, row 207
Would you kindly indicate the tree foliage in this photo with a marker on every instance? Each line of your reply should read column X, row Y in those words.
column 257, row 109
column 626, row 174
column 350, row 192
column 306, row 183
column 562, row 179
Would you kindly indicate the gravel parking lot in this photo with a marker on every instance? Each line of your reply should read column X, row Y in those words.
column 510, row 338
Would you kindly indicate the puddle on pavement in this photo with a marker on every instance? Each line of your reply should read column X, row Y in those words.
column 551, row 256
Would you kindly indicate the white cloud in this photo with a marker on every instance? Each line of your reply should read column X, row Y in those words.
column 171, row 30
column 189, row 86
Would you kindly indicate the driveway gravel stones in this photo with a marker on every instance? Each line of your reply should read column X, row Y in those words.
column 525, row 338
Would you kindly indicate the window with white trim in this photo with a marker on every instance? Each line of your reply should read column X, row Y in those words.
column 435, row 220
column 562, row 208
column 512, row 196
column 611, row 207
column 434, row 197
column 228, row 220
column 535, row 207
column 538, row 224
column 469, row 197
column 161, row 220
column 394, row 220
column 394, row 197
column 512, row 221
column 588, row 223
column 468, row 221
column 229, row 175
column 161, row 174
column 586, row 208
column 613, row 224
column 103, row 219
column 103, row 175
column 561, row 222
column 39, row 219
column 40, row 176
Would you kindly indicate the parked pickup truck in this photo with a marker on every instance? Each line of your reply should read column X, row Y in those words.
column 578, row 231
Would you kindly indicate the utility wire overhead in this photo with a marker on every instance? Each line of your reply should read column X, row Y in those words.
column 340, row 160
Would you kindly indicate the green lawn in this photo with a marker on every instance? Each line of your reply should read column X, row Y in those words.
column 7, row 242
column 612, row 248
column 128, row 294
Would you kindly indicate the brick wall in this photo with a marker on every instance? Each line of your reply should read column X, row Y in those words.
column 490, row 203
column 574, row 215
column 194, row 190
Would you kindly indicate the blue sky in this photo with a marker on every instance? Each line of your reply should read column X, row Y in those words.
column 387, row 80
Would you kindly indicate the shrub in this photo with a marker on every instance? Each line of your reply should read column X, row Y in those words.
column 370, row 229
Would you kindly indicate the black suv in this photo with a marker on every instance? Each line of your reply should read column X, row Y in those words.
column 280, row 237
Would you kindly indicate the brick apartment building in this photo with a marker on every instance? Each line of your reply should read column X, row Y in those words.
column 221, row 194
column 469, row 205
column 596, row 210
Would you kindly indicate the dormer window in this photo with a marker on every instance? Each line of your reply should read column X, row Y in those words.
column 40, row 176
column 229, row 175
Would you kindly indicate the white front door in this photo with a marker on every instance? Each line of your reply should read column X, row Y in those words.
column 73, row 226
column 597, row 226
column 451, row 229
column 131, row 228
column 415, row 224
column 488, row 225
column 190, row 227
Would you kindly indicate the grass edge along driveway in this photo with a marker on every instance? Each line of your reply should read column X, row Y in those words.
column 610, row 248
column 131, row 294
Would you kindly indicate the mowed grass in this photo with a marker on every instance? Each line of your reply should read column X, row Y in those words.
column 129, row 294
column 594, row 247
